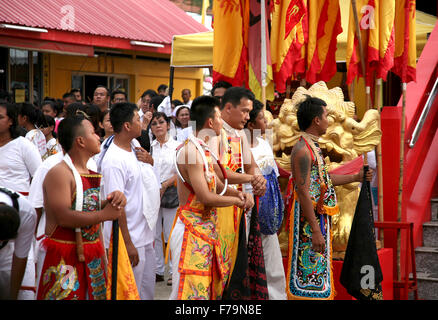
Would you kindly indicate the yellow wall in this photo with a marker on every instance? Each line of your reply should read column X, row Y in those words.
column 143, row 74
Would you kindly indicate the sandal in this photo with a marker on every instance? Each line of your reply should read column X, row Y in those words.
column 169, row 281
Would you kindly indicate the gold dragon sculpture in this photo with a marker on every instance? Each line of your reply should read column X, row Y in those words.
column 345, row 139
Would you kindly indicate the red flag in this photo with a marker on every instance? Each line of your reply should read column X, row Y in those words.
column 405, row 54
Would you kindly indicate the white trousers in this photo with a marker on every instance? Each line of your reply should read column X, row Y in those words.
column 29, row 277
column 144, row 272
column 175, row 244
column 275, row 275
column 164, row 224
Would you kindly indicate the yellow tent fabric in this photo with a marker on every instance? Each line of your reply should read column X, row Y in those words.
column 192, row 50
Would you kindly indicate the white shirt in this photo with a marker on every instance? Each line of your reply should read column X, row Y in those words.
column 36, row 136
column 121, row 171
column 25, row 234
column 52, row 147
column 19, row 159
column 183, row 134
column 264, row 157
column 164, row 158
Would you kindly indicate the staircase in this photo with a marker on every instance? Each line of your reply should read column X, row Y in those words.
column 427, row 257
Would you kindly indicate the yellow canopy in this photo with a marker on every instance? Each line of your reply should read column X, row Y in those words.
column 192, row 50
column 196, row 50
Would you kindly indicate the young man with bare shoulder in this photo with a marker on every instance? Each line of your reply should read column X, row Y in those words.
column 73, row 253
column 196, row 249
column 309, row 274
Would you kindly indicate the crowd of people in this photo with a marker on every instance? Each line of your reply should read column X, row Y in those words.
column 192, row 184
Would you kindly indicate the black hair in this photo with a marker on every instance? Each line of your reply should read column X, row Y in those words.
column 235, row 94
column 102, row 86
column 177, row 102
column 34, row 116
column 103, row 114
column 73, row 108
column 52, row 105
column 93, row 114
column 9, row 222
column 158, row 115
column 202, row 109
column 69, row 128
column 156, row 101
column 69, row 95
column 308, row 109
column 120, row 113
column 256, row 109
column 149, row 92
column 12, row 113
column 51, row 122
column 5, row 96
column 75, row 90
column 113, row 94
column 220, row 84
column 161, row 87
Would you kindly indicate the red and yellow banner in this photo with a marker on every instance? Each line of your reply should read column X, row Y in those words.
column 126, row 286
column 230, row 41
column 289, row 32
column 324, row 27
column 405, row 55
column 376, row 23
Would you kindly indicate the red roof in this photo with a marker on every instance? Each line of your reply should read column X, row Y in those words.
column 142, row 20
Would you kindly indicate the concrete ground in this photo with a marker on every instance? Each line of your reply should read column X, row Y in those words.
column 162, row 290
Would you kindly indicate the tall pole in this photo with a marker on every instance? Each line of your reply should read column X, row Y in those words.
column 115, row 258
column 379, row 161
column 362, row 60
column 263, row 53
column 400, row 185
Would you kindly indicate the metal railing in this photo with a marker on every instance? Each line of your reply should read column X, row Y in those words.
column 424, row 114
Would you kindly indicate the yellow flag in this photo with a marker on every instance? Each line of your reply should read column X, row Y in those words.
column 230, row 25
column 126, row 286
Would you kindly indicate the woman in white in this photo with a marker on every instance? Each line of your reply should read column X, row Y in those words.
column 32, row 119
column 52, row 144
column 182, row 118
column 163, row 152
column 262, row 153
column 19, row 159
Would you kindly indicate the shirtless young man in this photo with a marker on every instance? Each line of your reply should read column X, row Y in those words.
column 74, row 257
column 195, row 247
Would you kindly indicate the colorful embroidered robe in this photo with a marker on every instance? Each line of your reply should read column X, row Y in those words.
column 200, row 266
column 309, row 274
column 63, row 276
column 229, row 218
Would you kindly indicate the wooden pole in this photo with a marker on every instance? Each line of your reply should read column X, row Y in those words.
column 263, row 52
column 362, row 60
column 400, row 185
column 115, row 258
column 379, row 105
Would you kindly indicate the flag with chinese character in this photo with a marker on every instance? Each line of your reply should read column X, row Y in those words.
column 289, row 32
